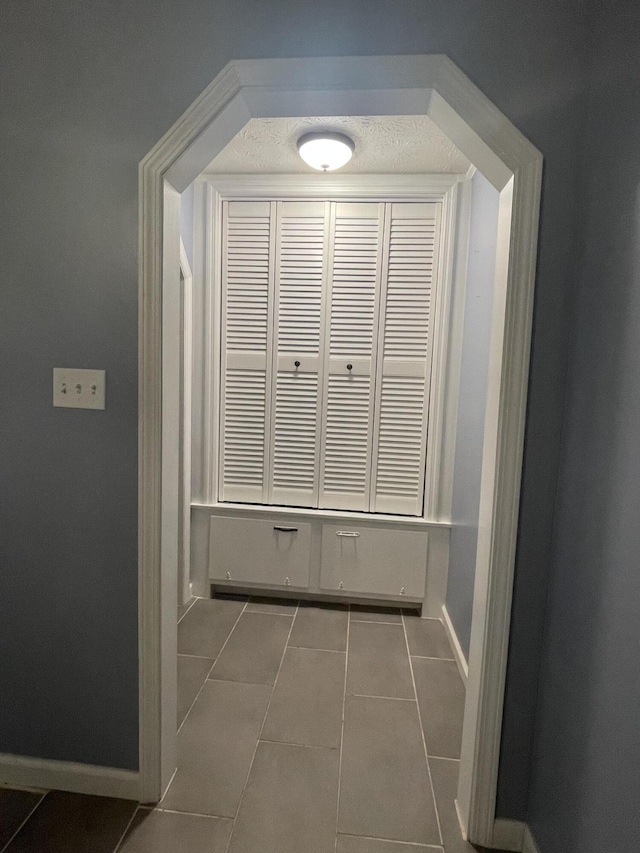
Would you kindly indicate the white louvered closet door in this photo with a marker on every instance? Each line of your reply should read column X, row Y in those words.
column 404, row 365
column 300, row 270
column 350, row 358
column 247, row 323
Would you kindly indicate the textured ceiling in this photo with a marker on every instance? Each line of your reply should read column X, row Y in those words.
column 384, row 144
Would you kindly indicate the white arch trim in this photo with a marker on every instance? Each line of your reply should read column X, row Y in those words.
column 389, row 85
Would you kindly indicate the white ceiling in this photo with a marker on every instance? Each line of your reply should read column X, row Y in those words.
column 384, row 145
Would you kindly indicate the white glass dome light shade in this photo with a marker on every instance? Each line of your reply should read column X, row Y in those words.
column 325, row 151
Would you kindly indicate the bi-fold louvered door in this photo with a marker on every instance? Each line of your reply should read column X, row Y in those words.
column 247, row 332
column 326, row 345
column 404, row 363
column 353, row 294
column 301, row 248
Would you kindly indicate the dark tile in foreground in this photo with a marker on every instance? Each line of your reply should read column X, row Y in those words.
column 385, row 790
column 15, row 807
column 441, row 700
column 74, row 823
column 168, row 832
column 289, row 805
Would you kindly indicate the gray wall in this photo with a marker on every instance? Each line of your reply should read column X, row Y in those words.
column 585, row 795
column 87, row 89
column 483, row 227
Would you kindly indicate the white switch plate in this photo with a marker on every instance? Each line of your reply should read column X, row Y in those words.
column 79, row 389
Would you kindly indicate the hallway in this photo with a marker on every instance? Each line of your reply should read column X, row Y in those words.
column 273, row 735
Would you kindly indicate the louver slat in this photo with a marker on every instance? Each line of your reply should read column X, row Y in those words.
column 246, row 295
column 404, row 372
column 354, row 283
column 300, row 264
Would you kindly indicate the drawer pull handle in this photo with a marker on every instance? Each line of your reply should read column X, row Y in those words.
column 286, row 529
column 340, row 585
column 287, row 582
column 402, row 591
column 350, row 533
column 228, row 576
column 297, row 363
column 349, row 366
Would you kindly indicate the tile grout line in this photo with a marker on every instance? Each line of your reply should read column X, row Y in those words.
column 303, row 745
column 264, row 719
column 27, row 818
column 394, row 841
column 377, row 696
column 432, row 657
column 173, row 775
column 424, row 742
column 207, row 676
column 344, row 703
column 189, row 814
column 191, row 603
column 313, row 649
column 126, row 829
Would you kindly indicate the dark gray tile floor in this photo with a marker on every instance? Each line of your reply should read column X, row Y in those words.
column 311, row 728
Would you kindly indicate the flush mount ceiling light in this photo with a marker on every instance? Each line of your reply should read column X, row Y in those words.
column 325, row 151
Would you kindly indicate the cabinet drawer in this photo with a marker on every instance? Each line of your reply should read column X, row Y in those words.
column 374, row 560
column 249, row 550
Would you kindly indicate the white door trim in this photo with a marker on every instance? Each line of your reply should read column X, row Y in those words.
column 186, row 356
column 394, row 85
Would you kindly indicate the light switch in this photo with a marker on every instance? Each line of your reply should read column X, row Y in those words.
column 79, row 389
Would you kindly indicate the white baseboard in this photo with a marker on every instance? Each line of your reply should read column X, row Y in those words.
column 528, row 842
column 508, row 835
column 43, row 773
column 513, row 835
column 461, row 661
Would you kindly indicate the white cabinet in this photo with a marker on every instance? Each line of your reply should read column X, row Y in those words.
column 374, row 560
column 319, row 555
column 260, row 551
